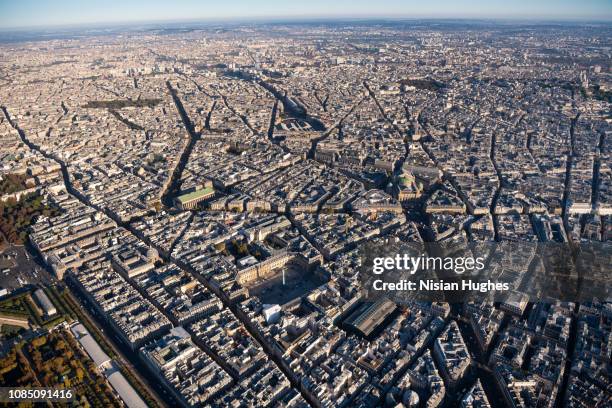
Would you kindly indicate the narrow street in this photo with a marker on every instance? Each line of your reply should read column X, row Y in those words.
column 499, row 186
column 568, row 178
column 174, row 184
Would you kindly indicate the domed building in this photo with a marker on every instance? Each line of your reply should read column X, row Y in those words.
column 410, row 399
column 407, row 187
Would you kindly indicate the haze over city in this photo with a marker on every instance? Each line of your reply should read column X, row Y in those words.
column 32, row 13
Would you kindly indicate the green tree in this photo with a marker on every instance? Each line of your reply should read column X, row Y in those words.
column 79, row 374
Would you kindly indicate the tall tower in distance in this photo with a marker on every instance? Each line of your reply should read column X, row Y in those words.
column 584, row 80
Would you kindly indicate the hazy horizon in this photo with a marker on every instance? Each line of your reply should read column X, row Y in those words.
column 30, row 14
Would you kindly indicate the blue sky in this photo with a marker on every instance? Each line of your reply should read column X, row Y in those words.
column 23, row 13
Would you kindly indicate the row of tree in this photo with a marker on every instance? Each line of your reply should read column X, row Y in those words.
column 11, row 183
column 16, row 216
